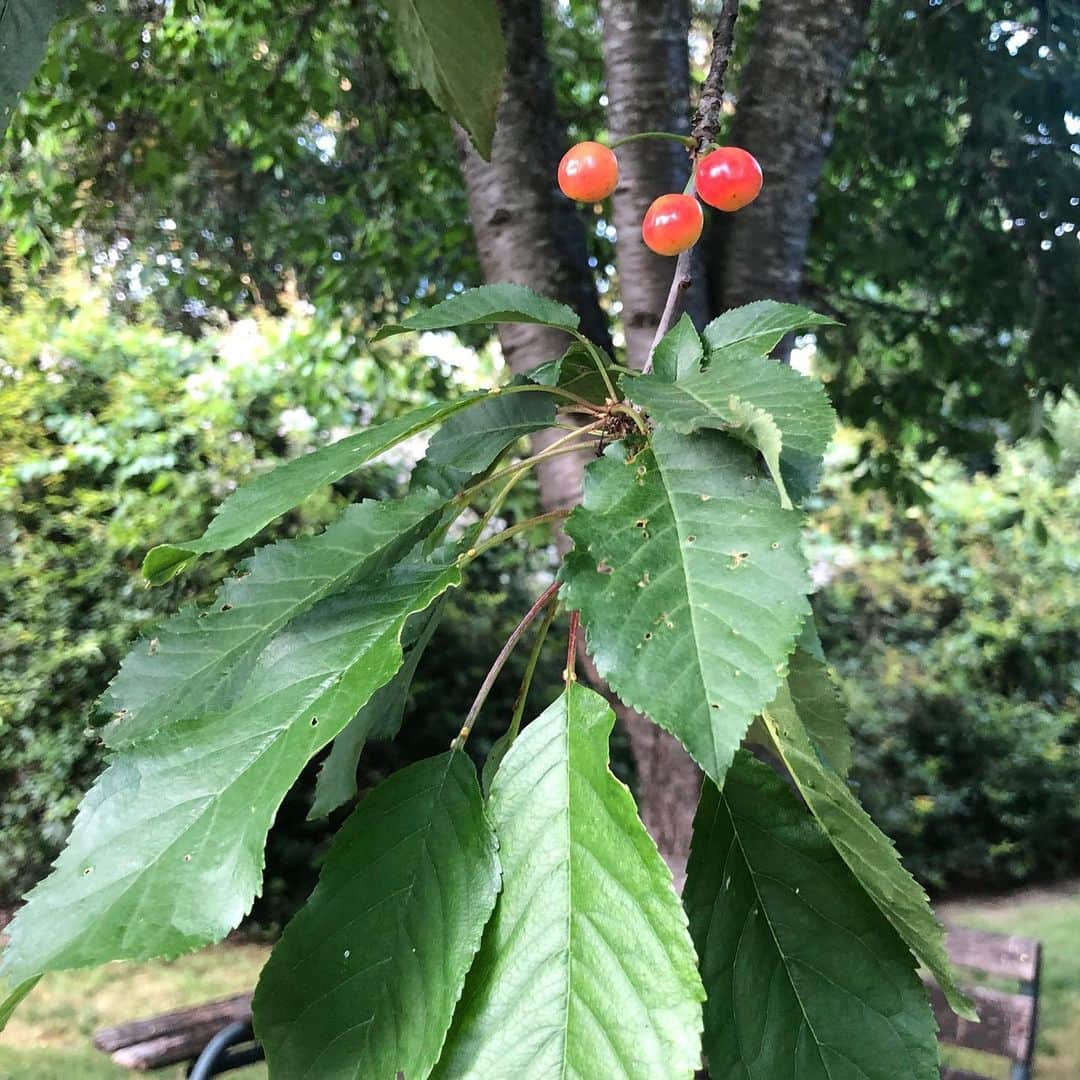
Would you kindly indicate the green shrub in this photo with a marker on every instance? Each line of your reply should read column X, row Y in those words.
column 955, row 629
column 115, row 436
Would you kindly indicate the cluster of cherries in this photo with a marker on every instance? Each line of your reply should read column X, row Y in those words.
column 727, row 178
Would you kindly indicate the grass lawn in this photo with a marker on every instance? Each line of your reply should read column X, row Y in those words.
column 49, row 1036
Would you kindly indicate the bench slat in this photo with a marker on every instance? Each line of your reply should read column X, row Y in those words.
column 167, row 1049
column 1006, row 1023
column 996, row 954
column 212, row 1016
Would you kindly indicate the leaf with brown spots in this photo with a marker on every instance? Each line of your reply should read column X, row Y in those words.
column 691, row 585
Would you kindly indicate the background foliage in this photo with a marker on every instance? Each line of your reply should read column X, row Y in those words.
column 955, row 627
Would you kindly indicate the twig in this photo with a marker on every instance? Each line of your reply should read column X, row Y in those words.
column 703, row 132
column 679, row 284
column 711, row 101
column 500, row 662
column 530, row 670
column 570, row 675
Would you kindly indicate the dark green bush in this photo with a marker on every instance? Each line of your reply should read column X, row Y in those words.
column 955, row 628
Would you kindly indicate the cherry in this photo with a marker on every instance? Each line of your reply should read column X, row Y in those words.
column 728, row 178
column 672, row 224
column 588, row 172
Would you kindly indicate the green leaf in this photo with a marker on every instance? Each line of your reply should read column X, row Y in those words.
column 577, row 372
column 691, row 584
column 488, row 304
column 25, row 26
column 11, row 997
column 679, row 352
column 586, row 968
column 768, row 405
column 818, row 702
column 867, row 851
column 756, row 329
column 271, row 494
column 805, row 978
column 756, row 428
column 456, row 49
column 364, row 981
column 380, row 718
column 468, row 443
column 199, row 660
column 166, row 853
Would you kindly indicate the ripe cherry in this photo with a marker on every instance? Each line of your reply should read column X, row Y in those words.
column 728, row 178
column 672, row 224
column 588, row 172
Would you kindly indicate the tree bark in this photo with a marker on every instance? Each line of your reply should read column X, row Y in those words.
column 647, row 74
column 526, row 231
column 792, row 85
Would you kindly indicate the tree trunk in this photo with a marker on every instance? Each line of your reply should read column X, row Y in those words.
column 799, row 60
column 647, row 75
column 525, row 230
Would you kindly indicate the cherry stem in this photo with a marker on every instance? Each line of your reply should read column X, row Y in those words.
column 500, row 662
column 527, row 678
column 601, row 367
column 570, row 675
column 686, row 140
column 513, row 530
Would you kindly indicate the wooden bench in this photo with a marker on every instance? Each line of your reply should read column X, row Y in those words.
column 1007, row 1018
column 173, row 1037
column 1006, row 1030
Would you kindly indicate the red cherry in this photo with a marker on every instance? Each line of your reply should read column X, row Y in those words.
column 672, row 224
column 588, row 172
column 728, row 178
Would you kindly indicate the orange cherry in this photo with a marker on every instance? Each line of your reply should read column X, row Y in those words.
column 588, row 172
column 672, row 224
column 728, row 178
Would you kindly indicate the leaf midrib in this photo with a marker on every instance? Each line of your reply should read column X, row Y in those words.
column 905, row 923
column 772, row 932
column 690, row 607
column 406, row 893
column 436, row 64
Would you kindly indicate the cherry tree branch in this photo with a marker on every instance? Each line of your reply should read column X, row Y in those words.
column 707, row 117
column 703, row 131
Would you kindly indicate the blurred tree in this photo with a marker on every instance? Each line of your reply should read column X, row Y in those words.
column 946, row 237
column 113, row 435
column 222, row 154
column 955, row 629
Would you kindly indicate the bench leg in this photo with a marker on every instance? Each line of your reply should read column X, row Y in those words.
column 216, row 1057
